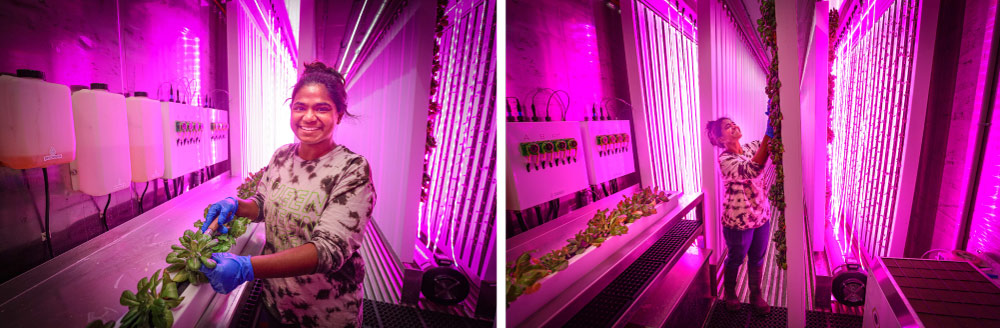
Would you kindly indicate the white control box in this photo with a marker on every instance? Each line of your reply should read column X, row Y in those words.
column 608, row 149
column 217, row 136
column 183, row 129
column 544, row 162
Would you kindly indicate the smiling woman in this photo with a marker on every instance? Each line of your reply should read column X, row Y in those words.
column 311, row 261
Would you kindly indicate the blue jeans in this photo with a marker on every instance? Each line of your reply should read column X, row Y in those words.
column 743, row 243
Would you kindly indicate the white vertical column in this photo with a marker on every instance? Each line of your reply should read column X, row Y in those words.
column 791, row 127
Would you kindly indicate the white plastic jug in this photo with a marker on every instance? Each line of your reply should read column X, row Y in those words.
column 145, row 137
column 102, row 164
column 36, row 122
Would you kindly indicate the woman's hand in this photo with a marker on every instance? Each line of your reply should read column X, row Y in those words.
column 224, row 210
column 230, row 272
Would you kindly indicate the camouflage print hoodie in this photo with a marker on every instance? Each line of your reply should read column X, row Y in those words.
column 745, row 206
column 328, row 202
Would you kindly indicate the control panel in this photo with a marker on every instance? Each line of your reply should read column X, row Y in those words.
column 608, row 150
column 216, row 136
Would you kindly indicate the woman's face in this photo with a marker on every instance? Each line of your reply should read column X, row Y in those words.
column 730, row 131
column 314, row 115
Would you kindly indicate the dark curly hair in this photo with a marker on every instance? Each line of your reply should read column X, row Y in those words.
column 318, row 73
column 714, row 130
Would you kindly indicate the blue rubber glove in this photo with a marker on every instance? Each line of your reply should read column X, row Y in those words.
column 230, row 272
column 224, row 210
column 770, row 131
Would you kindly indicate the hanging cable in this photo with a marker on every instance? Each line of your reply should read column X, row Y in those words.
column 564, row 106
column 538, row 215
column 166, row 189
column 104, row 215
column 520, row 221
column 141, row 208
column 47, row 237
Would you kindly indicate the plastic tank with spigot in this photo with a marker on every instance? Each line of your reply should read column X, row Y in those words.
column 103, row 163
column 36, row 122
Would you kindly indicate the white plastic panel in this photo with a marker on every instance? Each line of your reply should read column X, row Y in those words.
column 145, row 134
column 545, row 161
column 608, row 149
column 182, row 134
column 36, row 123
column 217, row 134
column 205, row 141
column 103, row 164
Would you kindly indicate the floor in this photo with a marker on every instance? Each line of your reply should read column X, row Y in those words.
column 778, row 318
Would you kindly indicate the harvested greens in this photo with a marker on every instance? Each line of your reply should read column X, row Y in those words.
column 186, row 259
column 146, row 307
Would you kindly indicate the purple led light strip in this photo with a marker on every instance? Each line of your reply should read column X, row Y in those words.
column 457, row 215
column 870, row 106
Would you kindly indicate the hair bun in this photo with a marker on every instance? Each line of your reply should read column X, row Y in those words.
column 318, row 67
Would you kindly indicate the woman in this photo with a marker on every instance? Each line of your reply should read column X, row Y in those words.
column 745, row 218
column 315, row 199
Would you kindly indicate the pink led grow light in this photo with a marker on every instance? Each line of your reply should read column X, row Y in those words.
column 461, row 203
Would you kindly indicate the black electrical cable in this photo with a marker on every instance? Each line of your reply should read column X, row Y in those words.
column 563, row 106
column 104, row 215
column 48, row 238
column 520, row 221
column 166, row 189
column 141, row 209
column 603, row 188
column 510, row 114
column 538, row 215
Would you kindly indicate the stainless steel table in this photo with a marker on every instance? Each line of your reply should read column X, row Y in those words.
column 84, row 284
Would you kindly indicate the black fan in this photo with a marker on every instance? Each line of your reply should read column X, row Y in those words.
column 849, row 282
column 444, row 284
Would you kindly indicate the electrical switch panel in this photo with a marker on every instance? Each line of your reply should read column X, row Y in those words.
column 544, row 162
column 608, row 150
column 216, row 136
column 182, row 135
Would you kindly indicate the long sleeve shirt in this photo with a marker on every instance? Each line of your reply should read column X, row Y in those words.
column 328, row 202
column 745, row 206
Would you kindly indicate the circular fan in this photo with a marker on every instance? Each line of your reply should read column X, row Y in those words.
column 849, row 284
column 444, row 284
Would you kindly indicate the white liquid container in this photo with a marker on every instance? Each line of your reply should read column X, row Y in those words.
column 36, row 122
column 145, row 137
column 102, row 164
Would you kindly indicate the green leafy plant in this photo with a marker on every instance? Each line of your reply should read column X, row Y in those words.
column 249, row 186
column 767, row 27
column 186, row 259
column 237, row 227
column 146, row 307
column 524, row 273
